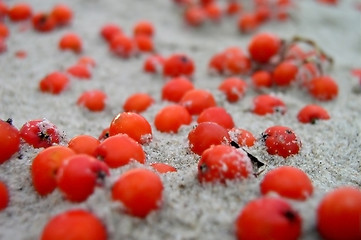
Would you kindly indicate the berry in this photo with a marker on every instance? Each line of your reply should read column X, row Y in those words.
column 323, row 88
column 74, row 224
column 197, row 100
column 110, row 30
column 72, row 42
column 248, row 22
column 235, row 62
column 84, row 144
column 233, row 7
column 138, row 102
column 205, row 135
column 281, row 141
column 78, row 175
column 104, row 134
column 144, row 43
column 87, row 61
column 122, row 46
column 4, row 31
column 4, row 196
column 221, row 163
column 20, row 12
column 3, row 10
column 170, row 118
column 40, row 133
column 54, row 83
column 9, row 140
column 217, row 115
column 263, row 47
column 213, row 12
column 45, row 166
column 242, row 137
column 261, row 79
column 153, row 64
column 43, row 22
column 62, row 14
column 289, row 182
column 268, row 218
column 284, row 74
column 93, row 100
column 268, row 104
column 194, row 16
column 143, row 28
column 80, row 71
column 178, row 65
column 139, row 190
column 339, row 214
column 115, row 156
column 234, row 88
column 175, row 89
column 312, row 113
column 163, row 168
column 216, row 64
column 132, row 124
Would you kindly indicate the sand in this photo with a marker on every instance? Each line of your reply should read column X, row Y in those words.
column 330, row 152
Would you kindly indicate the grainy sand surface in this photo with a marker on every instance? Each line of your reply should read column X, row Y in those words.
column 330, row 154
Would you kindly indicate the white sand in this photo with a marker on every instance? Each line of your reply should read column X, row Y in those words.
column 330, row 153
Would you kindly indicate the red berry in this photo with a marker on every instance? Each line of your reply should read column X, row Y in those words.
column 216, row 64
column 43, row 22
column 122, row 46
column 178, row 65
column 170, row 118
column 264, row 46
column 9, row 140
column 261, row 79
column 205, row 135
column 174, row 89
column 248, row 22
column 153, row 64
column 40, row 133
column 217, row 115
column 143, row 28
column 213, row 12
column 339, row 214
column 289, row 182
column 138, row 102
column 234, row 88
column 115, row 156
column 84, row 144
column 285, row 73
column 93, row 100
column 268, row 218
column 139, row 190
column 221, row 163
column 233, row 7
column 197, row 100
column 4, row 196
column 163, row 167
column 71, row 42
column 80, row 71
column 132, row 124
column 104, row 134
column 3, row 10
column 54, row 83
column 242, row 137
column 194, row 16
column 110, row 30
column 45, row 166
column 323, row 88
column 74, row 224
column 235, row 62
column 268, row 104
column 87, row 61
column 281, row 141
column 78, row 175
column 20, row 12
column 144, row 43
column 62, row 14
column 312, row 113
column 4, row 31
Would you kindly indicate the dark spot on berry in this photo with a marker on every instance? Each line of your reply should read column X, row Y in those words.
column 203, row 168
column 288, row 131
column 264, row 136
column 43, row 136
column 184, row 59
column 10, row 121
column 100, row 177
column 290, row 215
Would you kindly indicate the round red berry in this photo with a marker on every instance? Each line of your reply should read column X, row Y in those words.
column 217, row 115
column 9, row 140
column 285, row 73
column 312, row 113
column 264, row 46
column 234, row 88
column 268, row 104
column 174, row 89
column 40, row 133
column 4, row 196
column 170, row 118
column 54, row 83
column 323, row 88
column 178, row 65
column 197, row 100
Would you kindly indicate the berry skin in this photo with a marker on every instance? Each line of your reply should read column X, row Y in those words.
column 78, row 175
column 4, row 31
column 143, row 28
column 54, row 83
column 339, row 214
column 281, row 141
column 216, row 63
column 178, row 65
column 213, row 12
column 234, row 88
column 153, row 64
column 62, row 14
column 288, row 182
column 122, row 46
column 205, row 135
column 40, row 133
column 170, row 118
column 45, row 166
column 323, row 88
column 4, row 196
column 174, row 89
column 74, row 224
column 242, row 137
column 139, row 190
column 268, row 104
column 261, row 79
column 9, row 140
column 284, row 74
column 263, row 47
column 43, row 22
column 163, row 168
column 221, row 163
column 197, row 100
column 268, row 218
column 217, row 115
column 80, row 71
column 312, row 113
column 115, row 156
column 132, row 124
column 84, row 144
column 3, row 11
column 235, row 62
column 138, row 102
column 194, row 16
column 233, row 7
column 87, row 61
column 71, row 42
column 144, row 43
column 110, row 30
column 248, row 22
column 93, row 100
column 20, row 12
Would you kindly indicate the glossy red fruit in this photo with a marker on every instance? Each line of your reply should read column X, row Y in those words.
column 163, row 167
column 339, row 214
column 4, row 196
column 109, row 30
column 217, row 115
column 74, row 224
column 323, row 88
column 264, row 46
column 248, row 22
column 268, row 104
column 62, row 14
column 9, row 140
column 40, row 133
column 78, row 176
column 19, row 12
column 194, row 16
column 221, row 163
column 178, row 65
column 170, row 118
column 85, row 144
column 80, row 71
column 174, row 89
column 234, row 88
column 268, row 218
column 71, row 42
column 153, row 64
column 261, row 79
column 138, row 102
column 143, row 28
column 288, row 182
column 43, row 22
column 93, row 100
column 197, row 100
column 140, row 191
column 312, row 113
column 281, row 141
column 55, row 83
column 242, row 137
column 122, row 46
column 284, row 74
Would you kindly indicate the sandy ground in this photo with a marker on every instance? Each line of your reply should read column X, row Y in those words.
column 330, row 153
